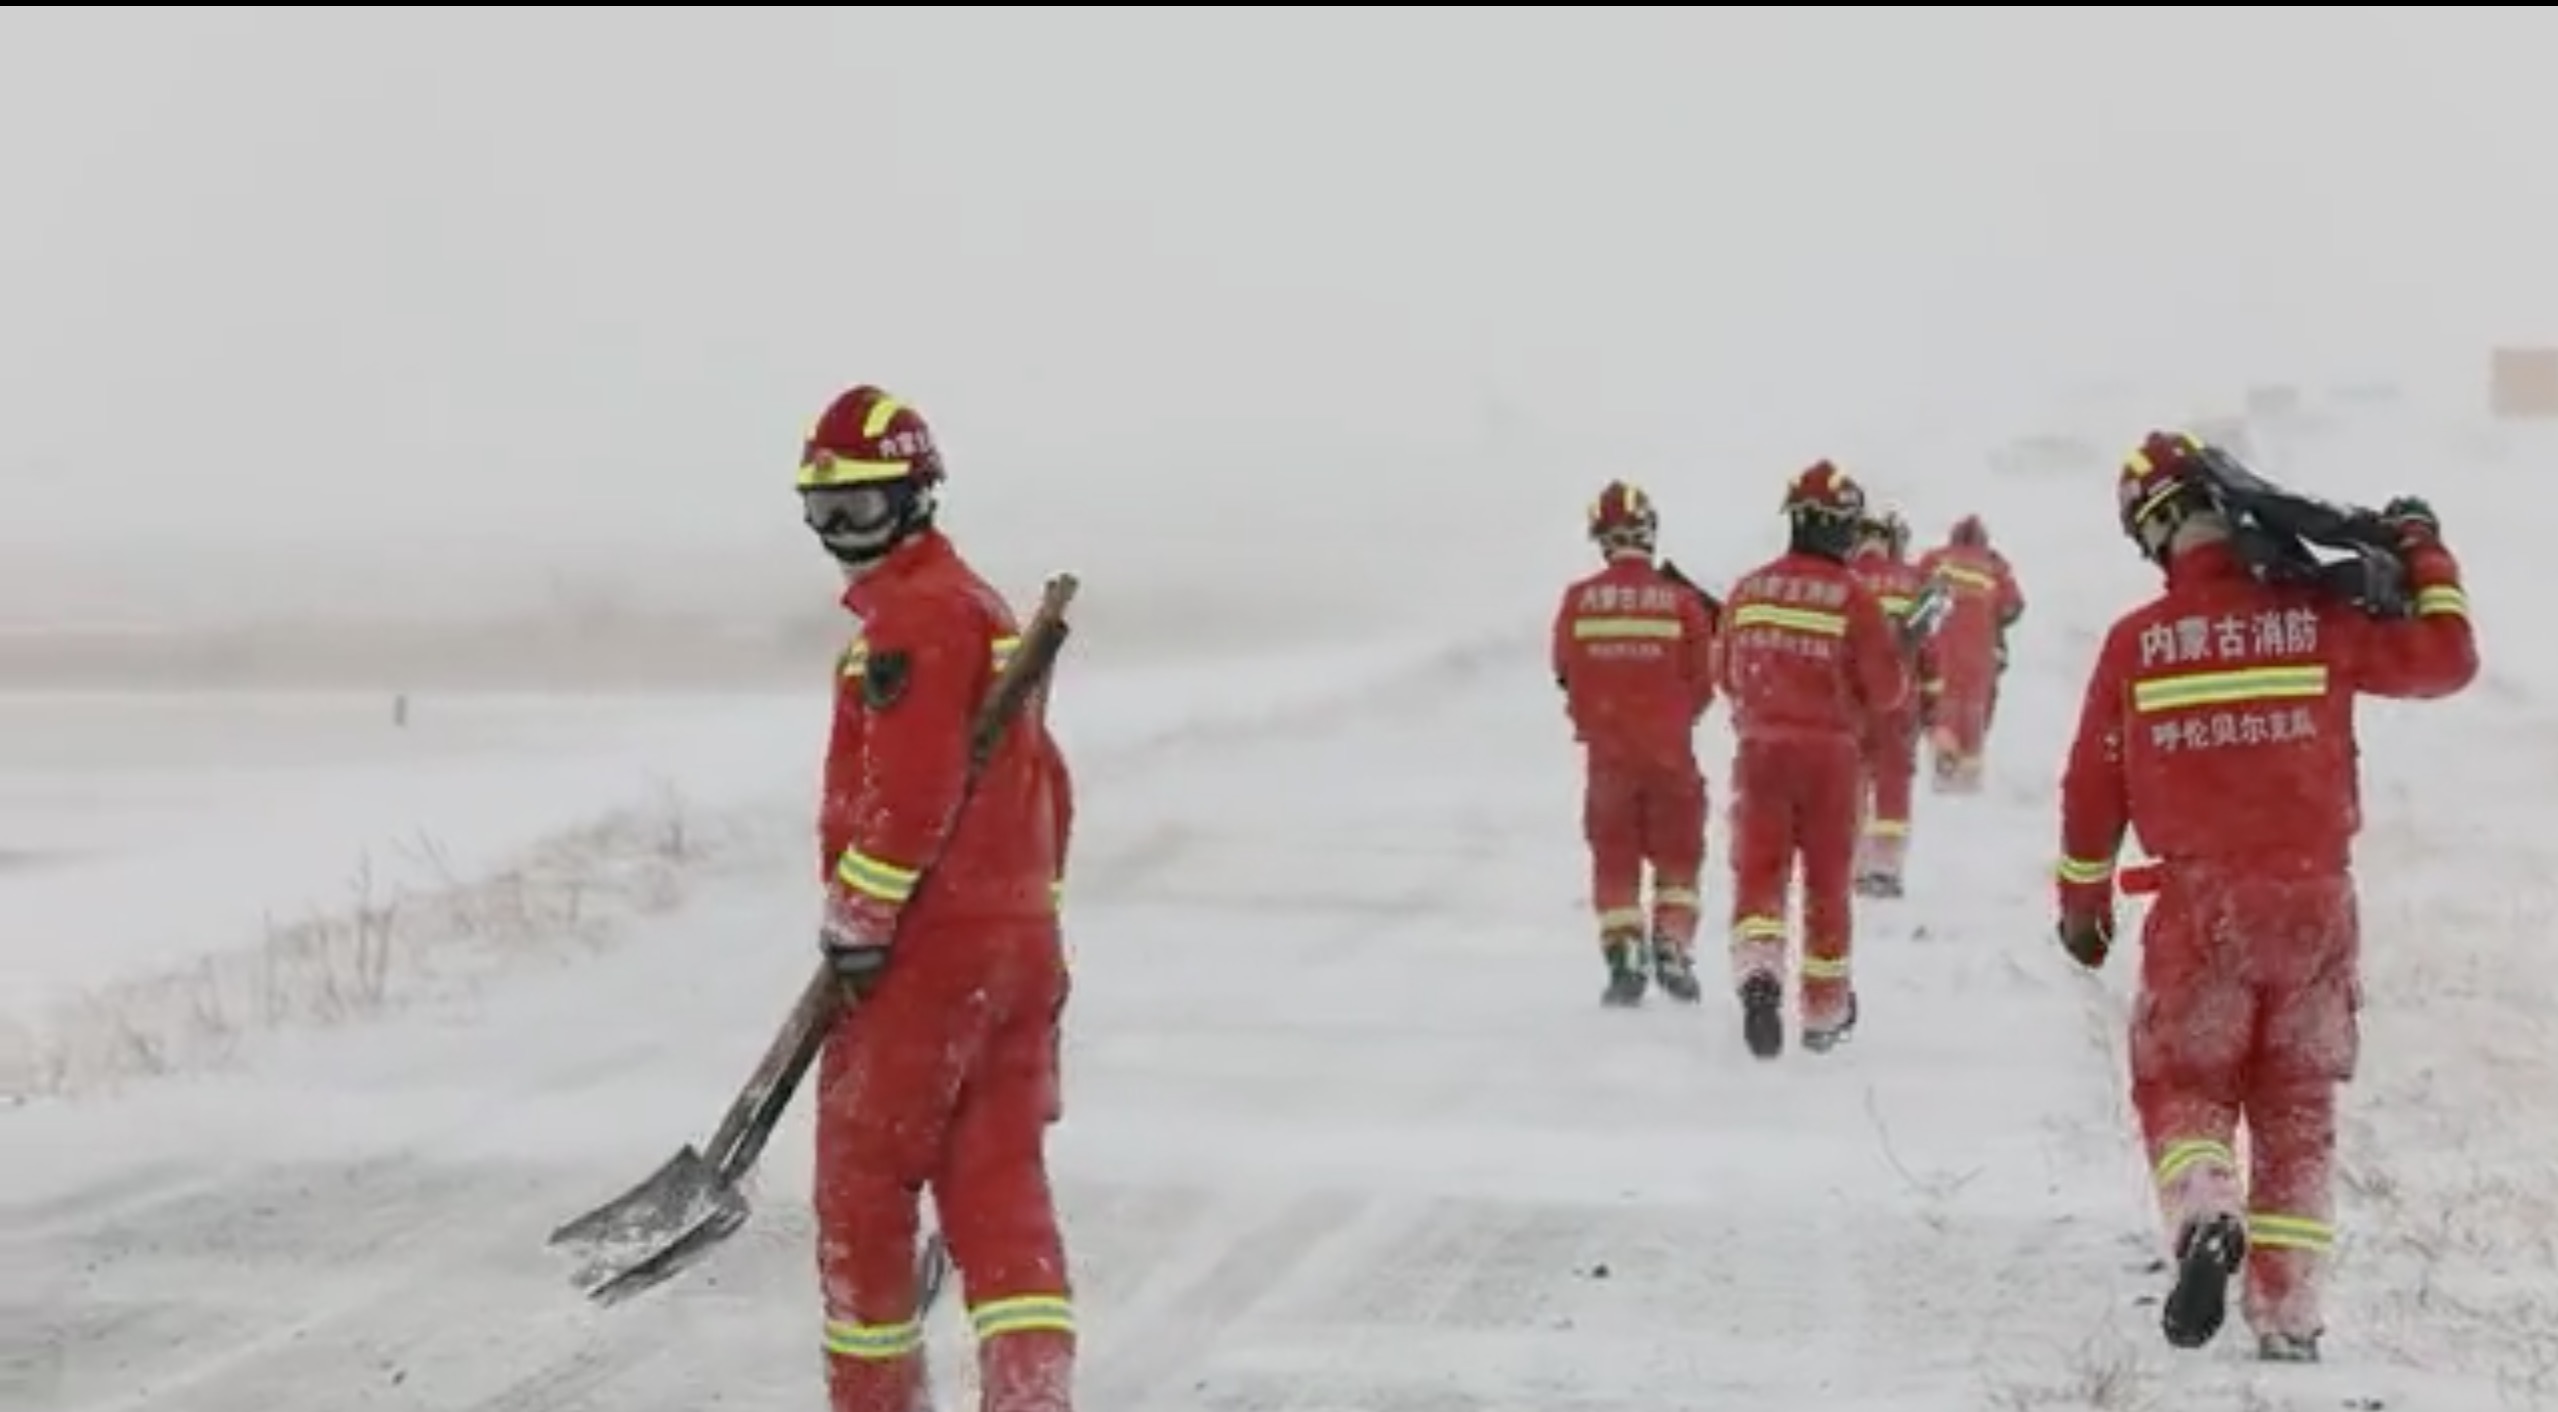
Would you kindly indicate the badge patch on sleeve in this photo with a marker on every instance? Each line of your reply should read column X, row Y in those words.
column 885, row 679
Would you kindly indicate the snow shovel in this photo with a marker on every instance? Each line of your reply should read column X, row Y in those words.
column 668, row 1222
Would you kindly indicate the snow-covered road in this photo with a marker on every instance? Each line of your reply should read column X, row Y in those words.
column 1347, row 1130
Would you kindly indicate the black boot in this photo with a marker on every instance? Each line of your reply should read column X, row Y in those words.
column 2207, row 1254
column 1626, row 978
column 1675, row 972
column 1830, row 1037
column 1763, row 1015
column 1822, row 1041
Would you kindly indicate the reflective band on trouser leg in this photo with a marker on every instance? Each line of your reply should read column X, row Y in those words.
column 2285, row 1255
column 875, row 877
column 874, row 1343
column 1823, row 968
column 1758, row 947
column 1615, row 920
column 1825, row 991
column 2267, row 1230
column 1023, row 1314
column 2196, row 1177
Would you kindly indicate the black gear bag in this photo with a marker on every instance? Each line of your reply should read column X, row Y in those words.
column 2287, row 537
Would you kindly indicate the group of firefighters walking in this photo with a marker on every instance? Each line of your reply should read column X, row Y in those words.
column 942, row 854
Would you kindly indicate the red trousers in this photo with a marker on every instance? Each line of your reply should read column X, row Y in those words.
column 1796, row 797
column 1635, row 812
column 2248, row 1013
column 946, row 1077
column 1891, row 767
column 1967, row 675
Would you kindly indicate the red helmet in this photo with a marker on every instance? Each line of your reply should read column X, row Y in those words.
column 866, row 437
column 1969, row 532
column 866, row 476
column 1824, row 491
column 2156, row 487
column 1623, row 518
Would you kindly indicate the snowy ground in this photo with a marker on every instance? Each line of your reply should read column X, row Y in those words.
column 1347, row 1128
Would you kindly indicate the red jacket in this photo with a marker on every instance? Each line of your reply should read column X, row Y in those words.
column 2219, row 722
column 1896, row 584
column 1807, row 652
column 1987, row 601
column 1633, row 651
column 932, row 637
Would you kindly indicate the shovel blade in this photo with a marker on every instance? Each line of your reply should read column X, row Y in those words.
column 652, row 1231
column 610, row 1280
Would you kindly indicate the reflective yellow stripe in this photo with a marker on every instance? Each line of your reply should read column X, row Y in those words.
column 1057, row 893
column 829, row 470
column 1603, row 629
column 1887, row 828
column 1614, row 919
column 1675, row 897
column 873, row 877
column 856, row 658
column 1895, row 604
column 2444, row 602
column 2186, row 1154
column 1972, row 579
column 1822, row 968
column 1757, row 929
column 2273, row 1231
column 2084, row 870
column 1770, row 615
column 833, row 471
column 1023, row 1314
column 874, row 1342
column 2175, row 693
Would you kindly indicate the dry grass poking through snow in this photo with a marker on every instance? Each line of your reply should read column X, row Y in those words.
column 2445, row 1292
column 2449, row 1166
column 409, row 927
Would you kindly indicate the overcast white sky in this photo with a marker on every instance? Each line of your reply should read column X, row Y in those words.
column 1204, row 278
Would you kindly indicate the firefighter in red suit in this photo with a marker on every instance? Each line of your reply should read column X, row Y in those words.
column 942, row 1071
column 1881, row 563
column 1971, row 650
column 1633, row 652
column 2219, row 726
column 1812, row 670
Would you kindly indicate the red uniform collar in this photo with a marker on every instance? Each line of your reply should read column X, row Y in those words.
column 906, row 560
column 2210, row 562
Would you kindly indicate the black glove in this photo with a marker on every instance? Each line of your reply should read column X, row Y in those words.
column 2088, row 938
column 857, row 958
column 2412, row 521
